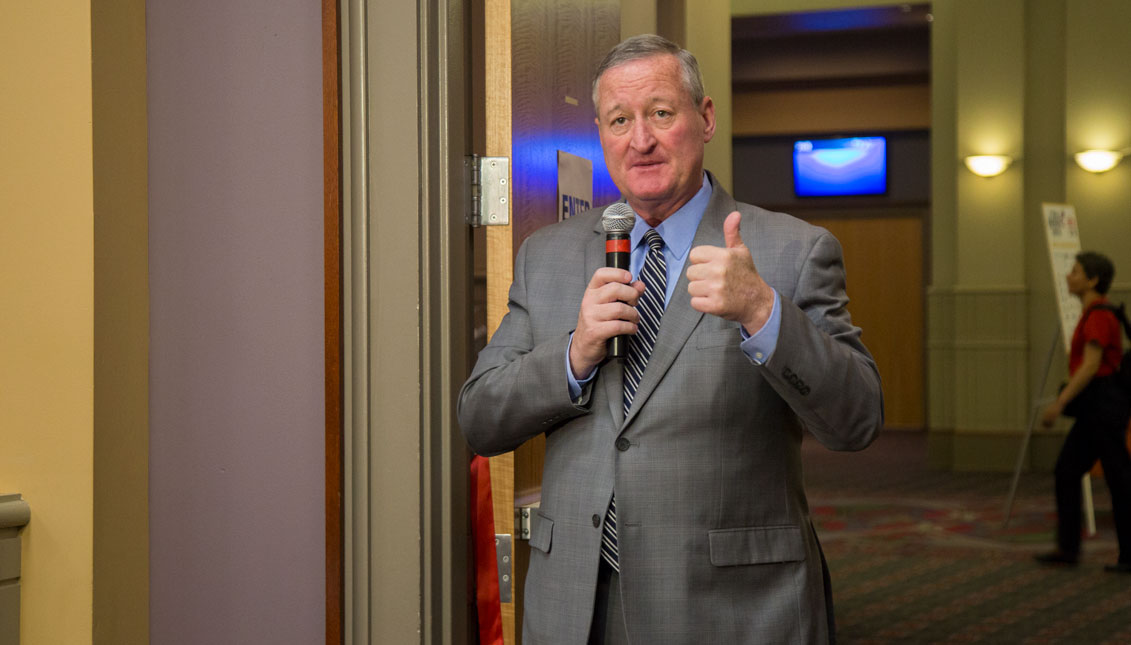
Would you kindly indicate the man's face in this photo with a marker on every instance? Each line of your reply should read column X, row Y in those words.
column 652, row 134
column 1078, row 282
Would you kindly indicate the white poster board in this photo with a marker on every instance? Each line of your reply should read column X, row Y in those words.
column 575, row 184
column 1063, row 236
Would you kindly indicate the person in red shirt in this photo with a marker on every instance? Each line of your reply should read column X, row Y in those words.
column 1101, row 409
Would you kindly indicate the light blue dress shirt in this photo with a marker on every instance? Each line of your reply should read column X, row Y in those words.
column 678, row 231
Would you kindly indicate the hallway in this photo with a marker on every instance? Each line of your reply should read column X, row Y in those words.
column 920, row 556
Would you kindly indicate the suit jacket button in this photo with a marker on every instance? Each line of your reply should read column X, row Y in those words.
column 623, row 444
column 596, row 521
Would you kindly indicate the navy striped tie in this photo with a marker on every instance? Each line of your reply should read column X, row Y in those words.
column 651, row 309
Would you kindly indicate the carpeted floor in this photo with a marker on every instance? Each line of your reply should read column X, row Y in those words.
column 920, row 556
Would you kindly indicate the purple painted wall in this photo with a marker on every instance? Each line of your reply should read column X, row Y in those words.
column 236, row 323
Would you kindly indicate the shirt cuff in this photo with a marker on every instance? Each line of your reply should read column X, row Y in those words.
column 760, row 346
column 575, row 385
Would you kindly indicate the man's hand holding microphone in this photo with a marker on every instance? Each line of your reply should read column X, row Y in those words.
column 722, row 281
column 608, row 308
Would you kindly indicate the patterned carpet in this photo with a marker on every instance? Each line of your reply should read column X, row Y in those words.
column 920, row 556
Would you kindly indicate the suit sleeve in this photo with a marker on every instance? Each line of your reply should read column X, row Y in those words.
column 820, row 366
column 518, row 388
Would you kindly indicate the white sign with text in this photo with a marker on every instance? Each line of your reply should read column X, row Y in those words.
column 1063, row 237
column 575, row 185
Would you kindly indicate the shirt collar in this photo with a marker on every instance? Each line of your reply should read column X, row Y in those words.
column 678, row 229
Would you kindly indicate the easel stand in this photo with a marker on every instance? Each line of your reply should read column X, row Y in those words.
column 1038, row 405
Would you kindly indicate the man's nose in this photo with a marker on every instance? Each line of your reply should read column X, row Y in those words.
column 642, row 139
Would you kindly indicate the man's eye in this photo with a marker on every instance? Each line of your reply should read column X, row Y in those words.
column 620, row 120
column 662, row 114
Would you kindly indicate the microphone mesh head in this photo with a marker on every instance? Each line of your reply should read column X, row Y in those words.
column 618, row 218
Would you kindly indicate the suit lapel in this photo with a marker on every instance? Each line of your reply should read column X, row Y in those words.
column 679, row 318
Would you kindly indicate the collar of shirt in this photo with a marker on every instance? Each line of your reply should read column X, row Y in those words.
column 677, row 231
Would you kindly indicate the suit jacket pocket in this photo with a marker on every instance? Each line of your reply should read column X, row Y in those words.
column 541, row 532
column 756, row 545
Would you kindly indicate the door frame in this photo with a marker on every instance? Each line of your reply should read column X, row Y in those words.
column 402, row 270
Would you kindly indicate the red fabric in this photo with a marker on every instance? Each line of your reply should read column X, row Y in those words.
column 486, row 566
column 1100, row 327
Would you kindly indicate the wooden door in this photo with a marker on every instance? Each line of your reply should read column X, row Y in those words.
column 883, row 258
column 539, row 56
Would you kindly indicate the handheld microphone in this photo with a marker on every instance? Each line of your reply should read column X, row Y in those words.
column 617, row 221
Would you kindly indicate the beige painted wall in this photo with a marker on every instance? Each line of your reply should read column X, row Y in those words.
column 1039, row 80
column 978, row 343
column 707, row 29
column 944, row 147
column 47, row 296
column 981, row 53
column 1045, row 171
column 1098, row 115
column 703, row 28
column 637, row 17
column 990, row 120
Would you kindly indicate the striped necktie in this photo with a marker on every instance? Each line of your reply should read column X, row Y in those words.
column 651, row 309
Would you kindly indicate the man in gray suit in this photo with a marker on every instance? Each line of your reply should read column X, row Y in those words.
column 673, row 508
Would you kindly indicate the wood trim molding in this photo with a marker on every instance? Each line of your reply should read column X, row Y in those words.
column 332, row 259
column 500, row 245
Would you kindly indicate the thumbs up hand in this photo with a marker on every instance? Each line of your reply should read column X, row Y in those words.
column 724, row 282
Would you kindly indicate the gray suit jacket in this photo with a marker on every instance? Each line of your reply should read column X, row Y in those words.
column 716, row 543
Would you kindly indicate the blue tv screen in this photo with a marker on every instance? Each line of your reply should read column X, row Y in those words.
column 840, row 167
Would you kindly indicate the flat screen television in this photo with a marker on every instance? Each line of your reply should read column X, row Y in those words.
column 840, row 167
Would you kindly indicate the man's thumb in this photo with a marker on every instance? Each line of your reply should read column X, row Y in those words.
column 730, row 230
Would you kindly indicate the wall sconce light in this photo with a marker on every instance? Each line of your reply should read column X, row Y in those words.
column 988, row 165
column 1098, row 160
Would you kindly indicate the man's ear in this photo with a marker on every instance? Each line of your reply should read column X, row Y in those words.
column 707, row 111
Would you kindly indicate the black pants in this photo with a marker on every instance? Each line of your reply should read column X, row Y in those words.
column 607, row 627
column 1099, row 433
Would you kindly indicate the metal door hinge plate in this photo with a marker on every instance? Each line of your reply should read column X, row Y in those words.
column 504, row 557
column 525, row 518
column 488, row 190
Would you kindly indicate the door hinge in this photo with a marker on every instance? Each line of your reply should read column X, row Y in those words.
column 504, row 558
column 525, row 519
column 488, row 190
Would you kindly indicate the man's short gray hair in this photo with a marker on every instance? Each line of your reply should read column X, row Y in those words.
column 646, row 46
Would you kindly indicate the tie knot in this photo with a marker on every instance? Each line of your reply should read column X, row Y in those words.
column 654, row 240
